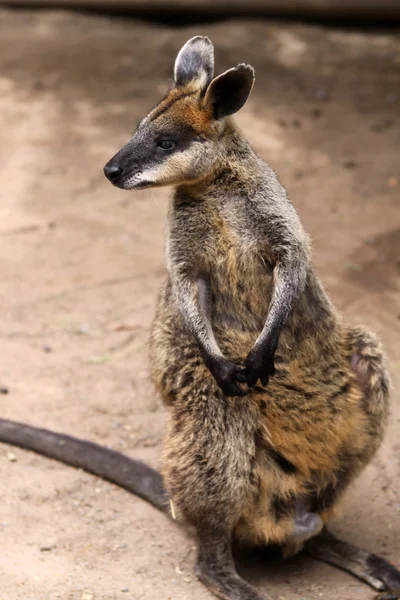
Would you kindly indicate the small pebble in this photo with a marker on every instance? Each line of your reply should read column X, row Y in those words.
column 350, row 164
column 120, row 546
column 87, row 596
column 46, row 548
column 125, row 590
column 11, row 456
column 47, row 349
column 4, row 389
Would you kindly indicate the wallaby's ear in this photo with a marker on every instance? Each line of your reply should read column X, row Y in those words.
column 195, row 62
column 228, row 92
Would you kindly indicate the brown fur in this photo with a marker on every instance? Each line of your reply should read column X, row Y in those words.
column 290, row 416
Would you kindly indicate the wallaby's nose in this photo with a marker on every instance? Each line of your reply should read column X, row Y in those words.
column 112, row 171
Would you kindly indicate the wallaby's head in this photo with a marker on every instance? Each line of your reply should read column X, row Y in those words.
column 178, row 141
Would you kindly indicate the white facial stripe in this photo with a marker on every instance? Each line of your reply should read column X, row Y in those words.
column 148, row 175
column 174, row 169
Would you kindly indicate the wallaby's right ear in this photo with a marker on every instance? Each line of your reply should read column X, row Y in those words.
column 195, row 63
column 228, row 92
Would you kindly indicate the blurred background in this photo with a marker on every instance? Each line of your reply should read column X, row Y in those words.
column 81, row 263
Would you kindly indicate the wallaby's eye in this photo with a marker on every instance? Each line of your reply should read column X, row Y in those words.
column 165, row 144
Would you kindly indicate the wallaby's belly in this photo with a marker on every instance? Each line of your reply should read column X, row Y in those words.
column 309, row 409
column 301, row 434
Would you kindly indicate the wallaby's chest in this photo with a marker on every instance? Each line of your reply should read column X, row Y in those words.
column 223, row 243
column 233, row 256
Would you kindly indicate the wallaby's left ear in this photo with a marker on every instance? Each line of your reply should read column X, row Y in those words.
column 228, row 92
column 195, row 63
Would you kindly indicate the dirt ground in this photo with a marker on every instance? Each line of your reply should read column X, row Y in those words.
column 81, row 262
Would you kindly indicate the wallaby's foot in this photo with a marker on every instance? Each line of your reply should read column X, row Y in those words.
column 215, row 568
column 374, row 570
column 227, row 586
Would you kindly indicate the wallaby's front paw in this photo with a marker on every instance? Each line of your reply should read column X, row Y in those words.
column 229, row 376
column 259, row 365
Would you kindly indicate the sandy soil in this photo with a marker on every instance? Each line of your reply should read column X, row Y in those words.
column 81, row 262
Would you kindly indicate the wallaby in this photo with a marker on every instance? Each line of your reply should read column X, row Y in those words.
column 242, row 304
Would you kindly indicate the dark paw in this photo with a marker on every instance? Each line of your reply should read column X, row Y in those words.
column 229, row 377
column 259, row 366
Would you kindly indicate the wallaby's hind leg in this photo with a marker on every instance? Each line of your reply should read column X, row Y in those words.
column 369, row 366
column 210, row 474
column 215, row 569
column 372, row 569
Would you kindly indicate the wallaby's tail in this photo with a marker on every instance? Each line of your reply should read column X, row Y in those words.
column 369, row 363
column 132, row 475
